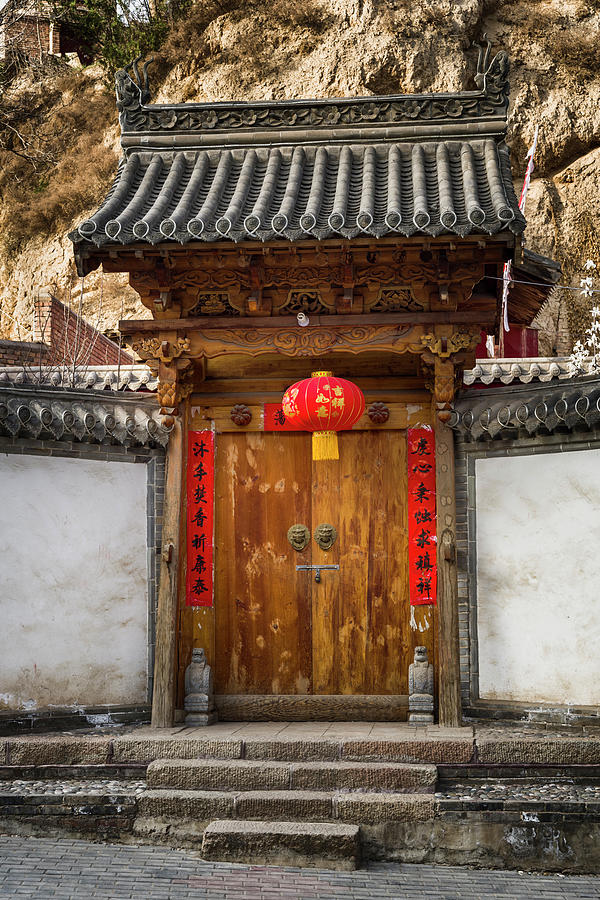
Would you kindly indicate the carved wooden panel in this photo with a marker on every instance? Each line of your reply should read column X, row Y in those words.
column 395, row 299
column 213, row 303
column 307, row 341
column 306, row 301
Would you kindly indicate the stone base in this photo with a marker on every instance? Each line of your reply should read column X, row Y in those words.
column 420, row 718
column 198, row 719
column 420, row 709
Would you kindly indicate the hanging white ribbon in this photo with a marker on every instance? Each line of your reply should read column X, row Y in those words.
column 508, row 266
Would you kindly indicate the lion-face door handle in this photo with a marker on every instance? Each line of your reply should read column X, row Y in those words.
column 299, row 537
column 325, row 536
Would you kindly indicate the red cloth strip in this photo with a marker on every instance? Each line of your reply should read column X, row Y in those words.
column 200, row 518
column 422, row 540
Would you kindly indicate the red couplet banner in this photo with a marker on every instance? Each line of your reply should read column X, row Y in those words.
column 275, row 419
column 422, row 540
column 200, row 518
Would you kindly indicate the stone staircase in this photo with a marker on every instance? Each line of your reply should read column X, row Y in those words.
column 287, row 810
column 313, row 794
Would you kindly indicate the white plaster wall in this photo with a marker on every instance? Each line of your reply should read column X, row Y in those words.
column 73, row 582
column 538, row 568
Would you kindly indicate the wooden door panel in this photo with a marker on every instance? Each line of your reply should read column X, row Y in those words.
column 262, row 605
column 277, row 630
column 362, row 638
column 387, row 601
column 325, row 607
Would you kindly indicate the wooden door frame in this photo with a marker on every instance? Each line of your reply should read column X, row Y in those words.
column 336, row 708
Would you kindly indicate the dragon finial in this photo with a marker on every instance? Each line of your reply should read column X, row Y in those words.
column 492, row 77
column 133, row 92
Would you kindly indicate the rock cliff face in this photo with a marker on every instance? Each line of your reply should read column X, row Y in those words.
column 349, row 47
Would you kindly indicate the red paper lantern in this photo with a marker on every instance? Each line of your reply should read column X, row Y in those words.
column 324, row 405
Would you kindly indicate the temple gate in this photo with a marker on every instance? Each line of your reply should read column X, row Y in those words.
column 364, row 236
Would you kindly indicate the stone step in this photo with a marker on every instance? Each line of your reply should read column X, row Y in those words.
column 449, row 746
column 357, row 808
column 314, row 844
column 249, row 775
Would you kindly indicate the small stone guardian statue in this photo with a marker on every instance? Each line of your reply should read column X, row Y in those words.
column 420, row 689
column 199, row 694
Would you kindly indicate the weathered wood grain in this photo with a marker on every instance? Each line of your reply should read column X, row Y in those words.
column 262, row 605
column 362, row 640
column 326, row 612
column 311, row 708
column 388, row 619
column 447, row 588
column 163, row 694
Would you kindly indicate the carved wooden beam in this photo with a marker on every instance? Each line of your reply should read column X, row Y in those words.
column 309, row 342
column 314, row 342
column 462, row 317
column 252, row 283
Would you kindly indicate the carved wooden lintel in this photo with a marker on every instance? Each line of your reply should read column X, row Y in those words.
column 309, row 342
column 446, row 343
column 163, row 348
column 258, row 283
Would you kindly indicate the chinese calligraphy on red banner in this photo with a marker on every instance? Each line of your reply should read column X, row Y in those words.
column 200, row 517
column 275, row 419
column 422, row 541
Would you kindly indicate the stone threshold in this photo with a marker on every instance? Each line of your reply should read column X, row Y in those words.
column 487, row 747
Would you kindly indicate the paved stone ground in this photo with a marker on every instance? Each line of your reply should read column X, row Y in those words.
column 65, row 869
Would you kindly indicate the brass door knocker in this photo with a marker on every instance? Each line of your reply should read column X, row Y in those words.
column 325, row 535
column 298, row 536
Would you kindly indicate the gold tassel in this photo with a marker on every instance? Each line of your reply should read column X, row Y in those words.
column 325, row 445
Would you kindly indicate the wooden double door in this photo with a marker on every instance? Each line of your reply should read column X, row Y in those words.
column 277, row 629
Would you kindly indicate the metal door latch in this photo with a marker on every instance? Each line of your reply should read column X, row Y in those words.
column 316, row 570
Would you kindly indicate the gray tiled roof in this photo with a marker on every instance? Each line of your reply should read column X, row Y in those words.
column 428, row 164
column 524, row 370
column 137, row 377
column 504, row 413
column 65, row 414
column 446, row 187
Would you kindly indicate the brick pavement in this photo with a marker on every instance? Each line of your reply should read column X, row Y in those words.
column 65, row 869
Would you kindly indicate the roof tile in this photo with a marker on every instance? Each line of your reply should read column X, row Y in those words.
column 446, row 187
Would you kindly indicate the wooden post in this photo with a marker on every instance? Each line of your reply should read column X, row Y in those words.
column 450, row 713
column 163, row 695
